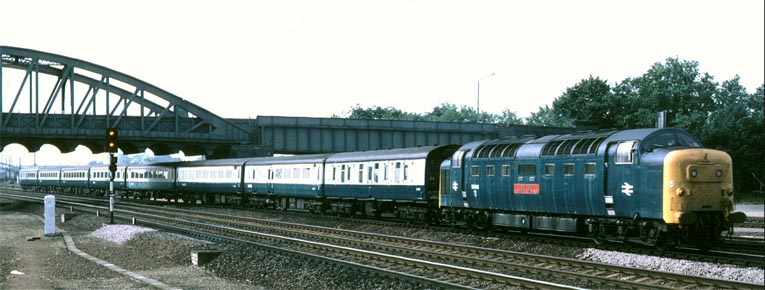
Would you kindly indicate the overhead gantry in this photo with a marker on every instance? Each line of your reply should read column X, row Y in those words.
column 65, row 102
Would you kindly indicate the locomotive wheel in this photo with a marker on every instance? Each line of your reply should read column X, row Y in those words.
column 482, row 221
column 667, row 241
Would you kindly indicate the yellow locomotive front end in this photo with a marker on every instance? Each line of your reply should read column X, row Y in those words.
column 698, row 194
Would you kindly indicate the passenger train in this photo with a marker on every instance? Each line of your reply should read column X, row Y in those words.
column 658, row 186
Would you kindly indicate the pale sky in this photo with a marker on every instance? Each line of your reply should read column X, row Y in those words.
column 242, row 59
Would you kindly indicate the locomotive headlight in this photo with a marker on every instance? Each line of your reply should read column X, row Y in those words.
column 694, row 173
column 679, row 191
column 719, row 173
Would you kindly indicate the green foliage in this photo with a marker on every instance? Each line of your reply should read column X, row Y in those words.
column 549, row 117
column 509, row 118
column 589, row 100
column 444, row 112
column 380, row 113
column 736, row 127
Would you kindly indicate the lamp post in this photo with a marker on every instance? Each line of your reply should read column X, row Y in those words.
column 478, row 101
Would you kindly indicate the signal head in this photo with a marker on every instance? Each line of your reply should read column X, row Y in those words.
column 111, row 140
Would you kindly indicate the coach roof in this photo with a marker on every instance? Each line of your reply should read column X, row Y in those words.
column 390, row 154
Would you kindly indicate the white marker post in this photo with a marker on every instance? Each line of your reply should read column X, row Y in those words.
column 50, row 216
column 111, row 199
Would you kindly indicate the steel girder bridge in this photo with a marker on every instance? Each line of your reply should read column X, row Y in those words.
column 66, row 102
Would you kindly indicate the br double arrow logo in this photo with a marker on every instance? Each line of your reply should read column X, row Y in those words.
column 627, row 189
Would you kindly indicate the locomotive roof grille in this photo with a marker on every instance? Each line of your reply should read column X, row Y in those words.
column 575, row 144
column 587, row 146
column 502, row 148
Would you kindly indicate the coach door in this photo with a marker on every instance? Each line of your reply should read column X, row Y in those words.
column 270, row 181
column 620, row 160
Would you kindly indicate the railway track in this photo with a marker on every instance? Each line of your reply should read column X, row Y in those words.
column 754, row 222
column 539, row 267
column 472, row 266
column 745, row 252
column 410, row 254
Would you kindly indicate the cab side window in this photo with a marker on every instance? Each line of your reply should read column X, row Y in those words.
column 625, row 152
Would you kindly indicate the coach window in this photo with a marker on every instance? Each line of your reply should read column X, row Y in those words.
column 549, row 169
column 361, row 173
column 625, row 151
column 397, row 174
column 490, row 170
column 406, row 172
column 376, row 173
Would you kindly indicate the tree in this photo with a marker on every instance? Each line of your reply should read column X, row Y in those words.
column 676, row 87
column 736, row 127
column 509, row 118
column 446, row 112
column 549, row 117
column 588, row 100
column 380, row 113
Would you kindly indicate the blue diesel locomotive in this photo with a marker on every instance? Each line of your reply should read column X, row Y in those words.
column 658, row 186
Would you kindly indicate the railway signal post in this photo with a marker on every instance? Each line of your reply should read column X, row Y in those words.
column 111, row 147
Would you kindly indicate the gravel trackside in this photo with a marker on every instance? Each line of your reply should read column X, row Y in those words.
column 166, row 257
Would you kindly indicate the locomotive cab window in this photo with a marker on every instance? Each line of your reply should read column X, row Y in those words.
column 669, row 139
column 457, row 159
column 625, row 152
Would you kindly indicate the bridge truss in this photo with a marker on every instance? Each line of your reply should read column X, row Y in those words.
column 62, row 101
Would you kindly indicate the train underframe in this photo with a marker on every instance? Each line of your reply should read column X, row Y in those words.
column 352, row 207
column 704, row 231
